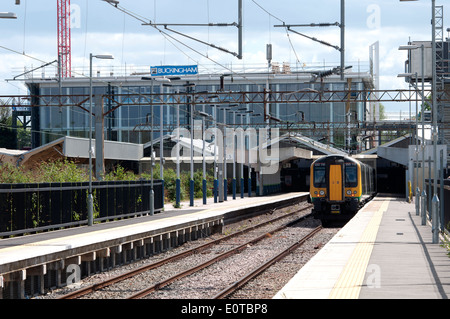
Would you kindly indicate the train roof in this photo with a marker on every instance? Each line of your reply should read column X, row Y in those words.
column 327, row 157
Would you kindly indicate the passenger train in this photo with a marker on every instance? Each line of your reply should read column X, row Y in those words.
column 339, row 187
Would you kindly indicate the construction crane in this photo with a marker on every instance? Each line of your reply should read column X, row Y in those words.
column 64, row 39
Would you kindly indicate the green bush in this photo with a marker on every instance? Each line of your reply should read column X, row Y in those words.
column 10, row 174
column 59, row 172
column 67, row 171
column 120, row 174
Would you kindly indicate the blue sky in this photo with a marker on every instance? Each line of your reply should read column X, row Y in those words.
column 99, row 28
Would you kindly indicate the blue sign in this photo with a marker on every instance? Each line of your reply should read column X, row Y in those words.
column 173, row 70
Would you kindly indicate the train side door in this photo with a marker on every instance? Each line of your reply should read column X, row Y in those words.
column 335, row 183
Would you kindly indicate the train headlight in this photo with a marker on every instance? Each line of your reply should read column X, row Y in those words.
column 321, row 193
column 354, row 192
column 349, row 192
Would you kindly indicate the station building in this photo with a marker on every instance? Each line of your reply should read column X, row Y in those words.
column 52, row 122
column 129, row 123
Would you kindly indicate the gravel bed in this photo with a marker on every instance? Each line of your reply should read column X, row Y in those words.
column 139, row 282
column 267, row 284
column 210, row 281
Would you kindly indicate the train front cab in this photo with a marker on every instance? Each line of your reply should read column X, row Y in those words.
column 335, row 190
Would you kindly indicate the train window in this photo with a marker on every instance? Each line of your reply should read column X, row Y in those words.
column 319, row 176
column 351, row 176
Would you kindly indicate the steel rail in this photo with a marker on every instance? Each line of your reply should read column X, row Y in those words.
column 255, row 272
column 92, row 288
column 161, row 284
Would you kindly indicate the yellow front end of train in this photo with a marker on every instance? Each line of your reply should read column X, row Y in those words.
column 338, row 185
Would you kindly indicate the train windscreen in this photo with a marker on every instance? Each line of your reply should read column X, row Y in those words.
column 319, row 176
column 351, row 175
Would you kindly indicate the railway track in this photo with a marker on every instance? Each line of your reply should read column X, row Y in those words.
column 89, row 292
column 258, row 270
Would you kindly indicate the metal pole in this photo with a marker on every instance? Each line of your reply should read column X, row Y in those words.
column 416, row 179
column 161, row 140
column 178, row 181
column 161, row 132
column 342, row 38
column 423, row 144
column 242, row 156
column 216, row 182
column 435, row 201
column 249, row 181
column 225, row 175
column 191, row 182
column 152, row 159
column 441, row 187
column 90, row 197
column 234, row 157
column 240, row 30
column 424, row 207
column 430, row 191
column 203, row 159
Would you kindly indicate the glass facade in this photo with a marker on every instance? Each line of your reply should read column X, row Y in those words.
column 122, row 123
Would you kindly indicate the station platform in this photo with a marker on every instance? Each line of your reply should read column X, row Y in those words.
column 382, row 253
column 38, row 254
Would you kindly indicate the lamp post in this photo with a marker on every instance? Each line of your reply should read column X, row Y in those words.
column 90, row 197
column 435, row 200
column 8, row 15
column 408, row 76
column 423, row 196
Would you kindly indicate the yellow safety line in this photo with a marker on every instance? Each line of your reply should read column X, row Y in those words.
column 351, row 279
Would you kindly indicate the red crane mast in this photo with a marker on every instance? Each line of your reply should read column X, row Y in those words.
column 64, row 38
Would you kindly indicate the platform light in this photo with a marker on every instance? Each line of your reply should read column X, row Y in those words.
column 408, row 47
column 90, row 196
column 8, row 15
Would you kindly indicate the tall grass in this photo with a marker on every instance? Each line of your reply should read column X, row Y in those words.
column 67, row 171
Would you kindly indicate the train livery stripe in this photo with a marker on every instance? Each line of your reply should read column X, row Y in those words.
column 351, row 279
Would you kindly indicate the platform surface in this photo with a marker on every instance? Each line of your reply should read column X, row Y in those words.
column 26, row 251
column 382, row 253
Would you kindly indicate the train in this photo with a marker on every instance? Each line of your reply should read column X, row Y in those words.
column 339, row 187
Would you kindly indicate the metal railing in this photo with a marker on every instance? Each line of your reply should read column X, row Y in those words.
column 29, row 208
column 444, row 202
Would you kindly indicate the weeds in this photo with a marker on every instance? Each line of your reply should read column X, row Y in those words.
column 61, row 171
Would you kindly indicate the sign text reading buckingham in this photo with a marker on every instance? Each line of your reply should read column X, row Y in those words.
column 173, row 70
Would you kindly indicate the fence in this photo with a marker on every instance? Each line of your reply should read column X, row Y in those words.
column 444, row 201
column 26, row 208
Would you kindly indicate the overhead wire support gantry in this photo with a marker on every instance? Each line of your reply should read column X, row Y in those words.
column 238, row 25
column 224, row 97
column 341, row 25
